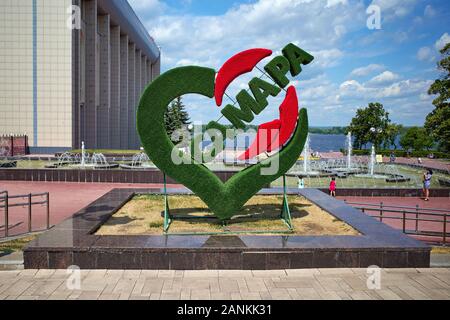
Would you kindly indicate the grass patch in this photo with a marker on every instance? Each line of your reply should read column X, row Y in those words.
column 143, row 216
column 15, row 245
column 440, row 250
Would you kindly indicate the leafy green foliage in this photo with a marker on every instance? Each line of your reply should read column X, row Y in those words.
column 416, row 139
column 224, row 200
column 402, row 153
column 372, row 117
column 176, row 117
column 392, row 132
column 438, row 121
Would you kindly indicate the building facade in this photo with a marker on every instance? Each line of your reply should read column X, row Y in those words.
column 73, row 71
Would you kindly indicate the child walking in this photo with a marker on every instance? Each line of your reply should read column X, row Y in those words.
column 333, row 187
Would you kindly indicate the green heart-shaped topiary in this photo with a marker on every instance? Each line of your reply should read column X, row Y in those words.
column 224, row 199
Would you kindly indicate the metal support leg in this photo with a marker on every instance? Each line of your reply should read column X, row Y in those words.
column 48, row 210
column 167, row 218
column 285, row 211
column 6, row 215
column 29, row 214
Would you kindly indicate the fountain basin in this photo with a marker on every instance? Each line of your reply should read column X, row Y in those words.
column 372, row 176
column 310, row 174
column 58, row 164
column 94, row 166
column 398, row 178
column 137, row 166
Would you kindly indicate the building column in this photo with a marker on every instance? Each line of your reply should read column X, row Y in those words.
column 144, row 84
column 124, row 60
column 89, row 135
column 149, row 70
column 156, row 68
column 114, row 115
column 131, row 94
column 144, row 73
column 105, row 84
column 76, row 53
column 137, row 92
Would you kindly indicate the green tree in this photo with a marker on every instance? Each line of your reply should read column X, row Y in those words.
column 416, row 139
column 370, row 125
column 437, row 122
column 176, row 117
column 392, row 132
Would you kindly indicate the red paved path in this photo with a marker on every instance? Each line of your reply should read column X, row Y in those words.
column 65, row 200
column 68, row 198
column 434, row 203
column 426, row 163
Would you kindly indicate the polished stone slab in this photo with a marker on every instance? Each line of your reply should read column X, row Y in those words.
column 73, row 242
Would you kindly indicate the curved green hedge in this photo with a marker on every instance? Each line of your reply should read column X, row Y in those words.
column 224, row 200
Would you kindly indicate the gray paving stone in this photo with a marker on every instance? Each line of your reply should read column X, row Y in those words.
column 226, row 285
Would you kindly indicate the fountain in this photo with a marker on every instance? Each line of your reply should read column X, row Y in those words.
column 67, row 159
column 307, row 172
column 372, row 161
column 140, row 161
column 83, row 154
column 371, row 168
column 306, row 154
column 349, row 151
column 97, row 161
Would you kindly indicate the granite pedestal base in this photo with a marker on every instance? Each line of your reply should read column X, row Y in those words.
column 73, row 242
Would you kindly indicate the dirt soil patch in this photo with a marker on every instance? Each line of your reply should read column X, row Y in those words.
column 143, row 215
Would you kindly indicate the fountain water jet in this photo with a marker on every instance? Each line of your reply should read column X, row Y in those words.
column 139, row 161
column 306, row 153
column 372, row 162
column 83, row 154
column 349, row 150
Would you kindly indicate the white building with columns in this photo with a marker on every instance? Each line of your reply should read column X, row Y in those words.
column 73, row 71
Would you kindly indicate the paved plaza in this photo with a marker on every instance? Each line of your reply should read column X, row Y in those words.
column 68, row 198
column 309, row 284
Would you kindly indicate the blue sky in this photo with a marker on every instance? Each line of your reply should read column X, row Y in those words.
column 353, row 65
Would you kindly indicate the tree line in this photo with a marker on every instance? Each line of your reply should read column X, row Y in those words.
column 373, row 125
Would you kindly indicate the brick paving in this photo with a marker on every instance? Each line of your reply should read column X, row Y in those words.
column 307, row 284
column 68, row 198
column 65, row 200
column 434, row 203
column 426, row 163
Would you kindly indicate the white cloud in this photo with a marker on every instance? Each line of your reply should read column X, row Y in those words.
column 148, row 8
column 332, row 3
column 266, row 23
column 443, row 40
column 391, row 9
column 383, row 78
column 405, row 88
column 324, row 28
column 327, row 58
column 429, row 11
column 365, row 71
column 424, row 53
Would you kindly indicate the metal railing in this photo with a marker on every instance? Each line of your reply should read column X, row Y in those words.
column 405, row 214
column 29, row 200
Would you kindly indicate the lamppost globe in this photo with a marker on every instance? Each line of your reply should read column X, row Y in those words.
column 190, row 127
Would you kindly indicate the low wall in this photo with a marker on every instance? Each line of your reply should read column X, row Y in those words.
column 378, row 192
column 156, row 176
column 93, row 176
